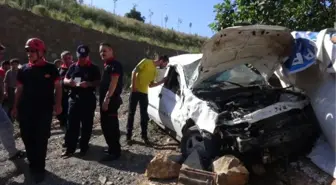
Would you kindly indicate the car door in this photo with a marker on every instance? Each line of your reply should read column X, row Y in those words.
column 154, row 99
column 171, row 101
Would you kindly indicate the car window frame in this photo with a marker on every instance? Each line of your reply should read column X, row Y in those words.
column 169, row 78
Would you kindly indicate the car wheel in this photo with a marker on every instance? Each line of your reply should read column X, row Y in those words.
column 191, row 140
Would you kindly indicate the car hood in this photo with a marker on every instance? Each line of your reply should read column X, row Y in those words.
column 265, row 47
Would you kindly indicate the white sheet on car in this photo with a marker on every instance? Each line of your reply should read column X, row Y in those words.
column 320, row 86
column 323, row 156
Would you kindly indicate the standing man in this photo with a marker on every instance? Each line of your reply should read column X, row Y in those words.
column 6, row 127
column 66, row 63
column 5, row 66
column 143, row 76
column 58, row 63
column 109, row 100
column 10, row 84
column 82, row 78
column 63, row 117
column 34, row 104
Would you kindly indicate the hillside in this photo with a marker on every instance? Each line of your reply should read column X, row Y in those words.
column 103, row 21
column 19, row 25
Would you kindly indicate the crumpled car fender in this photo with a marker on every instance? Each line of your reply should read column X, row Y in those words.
column 200, row 112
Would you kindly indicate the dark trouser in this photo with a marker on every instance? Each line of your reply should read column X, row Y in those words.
column 81, row 111
column 35, row 132
column 110, row 125
column 63, row 117
column 142, row 98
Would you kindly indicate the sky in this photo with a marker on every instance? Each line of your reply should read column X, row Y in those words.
column 198, row 12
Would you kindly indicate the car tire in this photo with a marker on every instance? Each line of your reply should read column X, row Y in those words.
column 191, row 140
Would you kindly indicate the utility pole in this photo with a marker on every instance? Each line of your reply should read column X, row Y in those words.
column 150, row 16
column 179, row 21
column 114, row 5
column 190, row 25
column 166, row 20
column 164, row 7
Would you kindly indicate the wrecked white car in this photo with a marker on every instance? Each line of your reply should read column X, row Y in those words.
column 221, row 100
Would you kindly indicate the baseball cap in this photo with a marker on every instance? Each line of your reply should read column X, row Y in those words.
column 82, row 51
column 57, row 60
column 65, row 53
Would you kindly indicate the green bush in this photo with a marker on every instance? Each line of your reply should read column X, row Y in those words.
column 40, row 10
column 13, row 4
column 88, row 23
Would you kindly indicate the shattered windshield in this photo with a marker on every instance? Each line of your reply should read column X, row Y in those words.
column 239, row 76
column 189, row 71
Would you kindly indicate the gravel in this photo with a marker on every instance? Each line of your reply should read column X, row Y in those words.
column 128, row 170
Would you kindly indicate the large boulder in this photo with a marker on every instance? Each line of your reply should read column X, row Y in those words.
column 230, row 171
column 163, row 166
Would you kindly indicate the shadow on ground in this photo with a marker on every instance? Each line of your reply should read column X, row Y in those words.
column 22, row 168
column 99, row 132
column 168, row 146
column 95, row 132
column 129, row 161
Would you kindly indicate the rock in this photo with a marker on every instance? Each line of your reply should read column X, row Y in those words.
column 102, row 179
column 333, row 182
column 230, row 171
column 193, row 161
column 162, row 167
column 109, row 183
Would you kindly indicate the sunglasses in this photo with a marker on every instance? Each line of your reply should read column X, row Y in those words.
column 31, row 50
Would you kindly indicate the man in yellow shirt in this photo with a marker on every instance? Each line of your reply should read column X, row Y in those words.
column 143, row 77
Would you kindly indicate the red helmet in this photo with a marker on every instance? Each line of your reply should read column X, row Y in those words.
column 35, row 43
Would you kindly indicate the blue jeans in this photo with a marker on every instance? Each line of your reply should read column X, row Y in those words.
column 7, row 133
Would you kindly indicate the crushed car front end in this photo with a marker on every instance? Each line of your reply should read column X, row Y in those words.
column 253, row 118
column 282, row 128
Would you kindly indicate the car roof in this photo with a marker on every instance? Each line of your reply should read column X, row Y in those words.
column 184, row 59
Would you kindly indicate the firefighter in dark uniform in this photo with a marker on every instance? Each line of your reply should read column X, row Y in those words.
column 35, row 103
column 110, row 100
column 66, row 63
column 82, row 77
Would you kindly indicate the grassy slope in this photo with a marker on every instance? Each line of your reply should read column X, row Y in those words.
column 109, row 23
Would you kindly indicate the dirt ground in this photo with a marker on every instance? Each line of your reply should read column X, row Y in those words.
column 129, row 169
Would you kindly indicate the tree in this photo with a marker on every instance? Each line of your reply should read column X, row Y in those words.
column 166, row 20
column 309, row 15
column 81, row 2
column 134, row 14
column 151, row 13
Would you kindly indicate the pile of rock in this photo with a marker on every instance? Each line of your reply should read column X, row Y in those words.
column 226, row 170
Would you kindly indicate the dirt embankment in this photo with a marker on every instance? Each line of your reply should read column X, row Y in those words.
column 19, row 25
